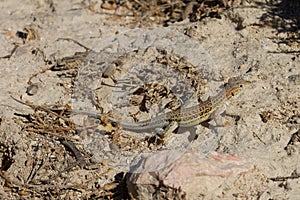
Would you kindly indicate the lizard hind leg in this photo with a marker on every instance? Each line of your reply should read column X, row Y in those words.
column 165, row 133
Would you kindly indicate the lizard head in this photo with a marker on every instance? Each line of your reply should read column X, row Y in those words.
column 235, row 85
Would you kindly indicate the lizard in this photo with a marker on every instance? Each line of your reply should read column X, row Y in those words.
column 185, row 117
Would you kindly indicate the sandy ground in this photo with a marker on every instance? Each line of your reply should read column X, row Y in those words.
column 255, row 40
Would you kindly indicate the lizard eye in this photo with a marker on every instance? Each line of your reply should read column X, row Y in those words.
column 241, row 86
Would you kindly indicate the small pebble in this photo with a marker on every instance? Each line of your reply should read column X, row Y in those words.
column 295, row 78
column 109, row 71
column 33, row 89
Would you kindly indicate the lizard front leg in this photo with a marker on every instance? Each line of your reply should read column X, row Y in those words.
column 218, row 117
column 163, row 134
